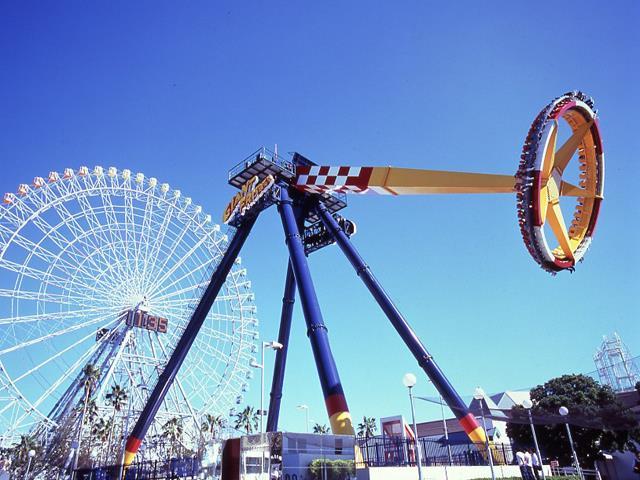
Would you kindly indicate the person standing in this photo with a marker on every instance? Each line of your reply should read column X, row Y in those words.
column 528, row 465
column 537, row 465
column 520, row 460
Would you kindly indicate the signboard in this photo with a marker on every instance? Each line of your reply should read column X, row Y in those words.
column 142, row 319
column 250, row 194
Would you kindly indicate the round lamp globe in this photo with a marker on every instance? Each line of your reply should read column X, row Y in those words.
column 409, row 380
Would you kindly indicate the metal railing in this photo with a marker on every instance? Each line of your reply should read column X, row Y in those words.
column 265, row 154
column 388, row 451
column 187, row 468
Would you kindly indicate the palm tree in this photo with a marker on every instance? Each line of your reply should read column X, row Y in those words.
column 91, row 411
column 90, row 377
column 212, row 424
column 247, row 420
column 102, row 430
column 368, row 427
column 117, row 397
column 22, row 449
column 317, row 428
column 172, row 431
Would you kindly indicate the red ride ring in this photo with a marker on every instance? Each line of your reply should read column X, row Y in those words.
column 533, row 188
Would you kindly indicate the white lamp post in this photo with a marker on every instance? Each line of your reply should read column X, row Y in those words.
column 479, row 395
column 527, row 404
column 564, row 411
column 306, row 410
column 409, row 380
column 30, row 454
column 274, row 346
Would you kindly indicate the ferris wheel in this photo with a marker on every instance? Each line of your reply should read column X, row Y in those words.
column 104, row 267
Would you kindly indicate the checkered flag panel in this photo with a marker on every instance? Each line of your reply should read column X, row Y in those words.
column 321, row 179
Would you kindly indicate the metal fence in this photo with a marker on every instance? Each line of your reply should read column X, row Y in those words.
column 187, row 468
column 388, row 451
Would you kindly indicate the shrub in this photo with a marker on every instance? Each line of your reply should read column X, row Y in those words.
column 336, row 469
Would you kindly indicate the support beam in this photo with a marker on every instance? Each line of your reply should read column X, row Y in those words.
column 334, row 398
column 288, row 300
column 170, row 371
column 411, row 340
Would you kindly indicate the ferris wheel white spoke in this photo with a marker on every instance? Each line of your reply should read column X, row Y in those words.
column 55, row 356
column 58, row 333
column 168, row 256
column 145, row 235
column 116, row 360
column 49, row 231
column 41, row 296
column 57, row 261
column 71, row 314
column 97, row 228
column 160, row 237
column 114, row 226
column 71, row 222
column 218, row 335
column 205, row 267
column 154, row 282
column 130, row 228
column 36, row 274
column 191, row 288
column 220, row 355
column 185, row 398
column 73, row 370
column 179, row 263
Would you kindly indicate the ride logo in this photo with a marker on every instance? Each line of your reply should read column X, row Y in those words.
column 252, row 191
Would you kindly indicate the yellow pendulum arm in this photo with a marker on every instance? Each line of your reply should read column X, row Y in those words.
column 409, row 181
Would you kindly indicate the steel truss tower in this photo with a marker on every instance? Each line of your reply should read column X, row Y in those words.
column 615, row 365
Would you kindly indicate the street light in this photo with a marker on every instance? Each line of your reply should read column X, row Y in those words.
column 31, row 454
column 527, row 404
column 273, row 346
column 306, row 409
column 409, row 380
column 479, row 395
column 564, row 411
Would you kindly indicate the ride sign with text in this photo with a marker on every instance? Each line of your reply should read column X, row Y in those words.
column 252, row 191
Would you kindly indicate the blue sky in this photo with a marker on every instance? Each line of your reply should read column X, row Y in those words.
column 183, row 91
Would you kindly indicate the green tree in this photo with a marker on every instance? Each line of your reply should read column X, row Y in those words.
column 89, row 379
column 212, row 424
column 117, row 398
column 172, row 431
column 605, row 423
column 317, row 428
column 22, row 449
column 368, row 427
column 19, row 454
column 247, row 420
column 101, row 430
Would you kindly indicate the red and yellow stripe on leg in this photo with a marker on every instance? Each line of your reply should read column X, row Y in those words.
column 339, row 416
column 474, row 431
column 130, row 450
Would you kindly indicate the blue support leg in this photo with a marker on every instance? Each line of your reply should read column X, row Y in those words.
column 425, row 360
column 334, row 398
column 288, row 300
column 186, row 340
